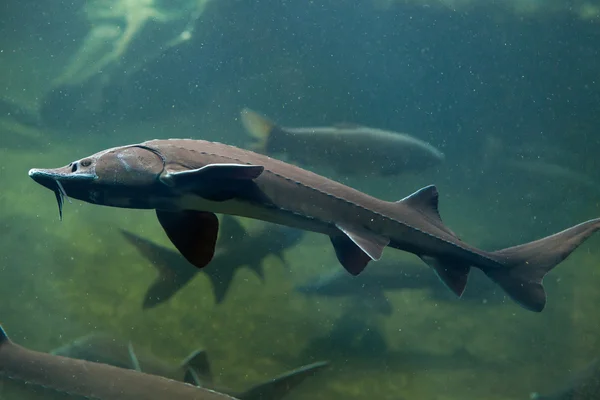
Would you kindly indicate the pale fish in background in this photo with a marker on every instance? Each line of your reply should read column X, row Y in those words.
column 125, row 36
column 346, row 148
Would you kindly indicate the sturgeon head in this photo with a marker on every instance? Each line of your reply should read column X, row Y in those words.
column 139, row 177
column 123, row 177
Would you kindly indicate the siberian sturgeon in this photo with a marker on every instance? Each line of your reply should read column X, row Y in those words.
column 188, row 181
column 28, row 374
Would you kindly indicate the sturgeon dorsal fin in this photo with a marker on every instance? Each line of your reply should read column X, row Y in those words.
column 425, row 200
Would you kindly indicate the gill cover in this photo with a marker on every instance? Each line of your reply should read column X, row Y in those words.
column 131, row 166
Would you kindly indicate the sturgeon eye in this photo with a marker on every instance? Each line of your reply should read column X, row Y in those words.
column 86, row 163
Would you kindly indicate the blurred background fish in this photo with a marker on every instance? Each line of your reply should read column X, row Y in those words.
column 236, row 248
column 346, row 148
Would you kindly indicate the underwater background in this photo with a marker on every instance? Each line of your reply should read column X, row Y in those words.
column 509, row 91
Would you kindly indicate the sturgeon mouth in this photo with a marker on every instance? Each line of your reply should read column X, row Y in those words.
column 52, row 180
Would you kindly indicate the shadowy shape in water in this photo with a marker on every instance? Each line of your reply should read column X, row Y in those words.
column 358, row 342
column 390, row 275
column 583, row 386
column 237, row 248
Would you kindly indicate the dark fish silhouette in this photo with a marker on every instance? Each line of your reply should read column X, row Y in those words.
column 583, row 386
column 27, row 374
column 235, row 248
column 195, row 369
column 347, row 148
column 188, row 181
column 369, row 287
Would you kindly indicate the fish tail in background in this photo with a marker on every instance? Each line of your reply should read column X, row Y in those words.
column 279, row 387
column 169, row 281
column 259, row 127
column 527, row 264
column 220, row 281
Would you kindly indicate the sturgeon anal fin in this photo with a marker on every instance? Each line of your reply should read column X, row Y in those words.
column 453, row 274
column 193, row 233
column 212, row 172
column 368, row 242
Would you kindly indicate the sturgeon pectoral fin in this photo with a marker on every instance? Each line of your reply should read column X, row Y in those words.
column 193, row 233
column 217, row 182
column 355, row 249
column 212, row 172
column 453, row 274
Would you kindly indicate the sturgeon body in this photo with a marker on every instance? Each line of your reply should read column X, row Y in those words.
column 188, row 181
column 27, row 374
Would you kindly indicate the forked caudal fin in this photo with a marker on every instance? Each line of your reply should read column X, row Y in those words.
column 259, row 127
column 527, row 264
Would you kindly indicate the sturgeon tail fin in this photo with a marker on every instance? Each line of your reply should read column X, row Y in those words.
column 259, row 127
column 527, row 264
